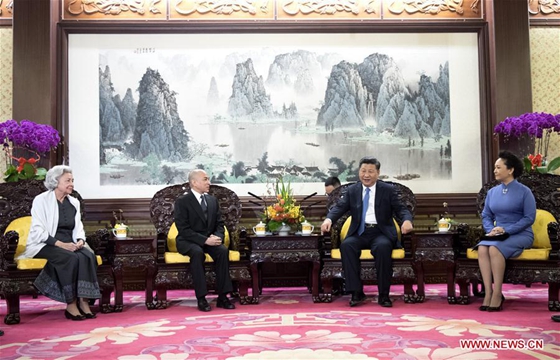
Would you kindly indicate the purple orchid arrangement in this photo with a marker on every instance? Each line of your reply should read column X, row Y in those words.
column 29, row 135
column 35, row 138
column 539, row 126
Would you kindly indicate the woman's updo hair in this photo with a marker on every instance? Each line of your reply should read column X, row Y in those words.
column 54, row 174
column 512, row 162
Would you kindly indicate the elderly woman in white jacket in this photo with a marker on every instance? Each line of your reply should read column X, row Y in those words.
column 57, row 234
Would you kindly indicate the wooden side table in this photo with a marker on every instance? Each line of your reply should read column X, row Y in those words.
column 285, row 249
column 434, row 251
column 138, row 254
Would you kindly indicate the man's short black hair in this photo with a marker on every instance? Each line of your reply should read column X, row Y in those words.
column 332, row 181
column 370, row 160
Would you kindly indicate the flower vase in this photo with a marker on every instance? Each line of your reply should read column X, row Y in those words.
column 284, row 230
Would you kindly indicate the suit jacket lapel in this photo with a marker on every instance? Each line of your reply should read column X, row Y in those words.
column 196, row 206
column 377, row 198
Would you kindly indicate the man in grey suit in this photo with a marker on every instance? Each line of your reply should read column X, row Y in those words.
column 372, row 204
column 201, row 230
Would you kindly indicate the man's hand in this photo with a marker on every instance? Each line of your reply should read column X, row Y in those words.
column 326, row 226
column 406, row 227
column 213, row 240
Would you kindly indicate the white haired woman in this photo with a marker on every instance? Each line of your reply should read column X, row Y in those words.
column 57, row 234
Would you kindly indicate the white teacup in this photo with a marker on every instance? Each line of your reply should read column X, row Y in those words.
column 120, row 233
column 260, row 229
column 306, row 228
column 444, row 226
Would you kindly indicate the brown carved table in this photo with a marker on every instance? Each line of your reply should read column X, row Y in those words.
column 433, row 251
column 285, row 249
column 133, row 254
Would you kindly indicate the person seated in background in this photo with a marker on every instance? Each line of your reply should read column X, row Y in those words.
column 509, row 209
column 330, row 184
column 200, row 229
column 57, row 234
column 372, row 204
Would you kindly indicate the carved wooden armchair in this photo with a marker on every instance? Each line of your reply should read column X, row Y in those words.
column 173, row 268
column 541, row 263
column 17, row 276
column 403, row 270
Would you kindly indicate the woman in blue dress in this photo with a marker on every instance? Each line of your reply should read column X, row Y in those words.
column 508, row 208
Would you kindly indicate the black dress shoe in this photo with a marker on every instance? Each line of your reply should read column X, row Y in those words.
column 555, row 318
column 357, row 298
column 203, row 305
column 87, row 315
column 74, row 317
column 385, row 301
column 225, row 304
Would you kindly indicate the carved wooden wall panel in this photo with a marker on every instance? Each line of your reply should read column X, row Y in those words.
column 432, row 9
column 6, row 8
column 274, row 9
column 328, row 9
column 544, row 9
column 115, row 9
column 221, row 9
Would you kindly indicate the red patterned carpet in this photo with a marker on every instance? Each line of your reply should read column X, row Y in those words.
column 287, row 325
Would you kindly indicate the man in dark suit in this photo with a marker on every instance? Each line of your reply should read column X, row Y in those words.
column 372, row 204
column 201, row 230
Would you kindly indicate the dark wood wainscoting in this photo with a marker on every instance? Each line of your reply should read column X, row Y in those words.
column 136, row 212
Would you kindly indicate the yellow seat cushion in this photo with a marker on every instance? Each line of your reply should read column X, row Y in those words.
column 176, row 258
column 366, row 254
column 346, row 227
column 21, row 226
column 541, row 244
column 527, row 254
column 173, row 257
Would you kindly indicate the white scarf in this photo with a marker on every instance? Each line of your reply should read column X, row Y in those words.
column 44, row 222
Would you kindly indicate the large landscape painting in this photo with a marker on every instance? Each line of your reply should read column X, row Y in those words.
column 251, row 108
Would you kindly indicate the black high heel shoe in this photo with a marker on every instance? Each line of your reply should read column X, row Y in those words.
column 483, row 307
column 85, row 314
column 499, row 307
column 74, row 317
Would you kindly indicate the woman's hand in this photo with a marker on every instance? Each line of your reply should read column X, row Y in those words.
column 66, row 246
column 81, row 243
column 498, row 230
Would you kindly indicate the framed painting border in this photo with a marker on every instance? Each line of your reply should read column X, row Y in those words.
column 479, row 171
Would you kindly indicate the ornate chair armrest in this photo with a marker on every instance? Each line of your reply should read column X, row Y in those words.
column 8, row 246
column 554, row 236
column 99, row 242
column 243, row 245
column 468, row 237
column 161, row 247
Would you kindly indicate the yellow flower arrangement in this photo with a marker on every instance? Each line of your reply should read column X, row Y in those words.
column 285, row 210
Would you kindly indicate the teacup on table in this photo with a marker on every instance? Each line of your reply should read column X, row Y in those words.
column 120, row 233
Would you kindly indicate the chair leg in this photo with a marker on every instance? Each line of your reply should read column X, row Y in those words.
column 464, row 292
column 327, row 285
column 553, row 303
column 161, row 302
column 12, row 305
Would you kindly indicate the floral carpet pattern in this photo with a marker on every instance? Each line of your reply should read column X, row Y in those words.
column 287, row 325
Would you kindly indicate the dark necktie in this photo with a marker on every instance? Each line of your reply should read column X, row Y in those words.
column 364, row 211
column 204, row 206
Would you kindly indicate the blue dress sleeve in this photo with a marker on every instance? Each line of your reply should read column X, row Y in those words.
column 529, row 214
column 488, row 216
